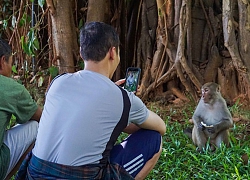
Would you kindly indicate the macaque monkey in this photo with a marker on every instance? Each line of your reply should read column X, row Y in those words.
column 211, row 118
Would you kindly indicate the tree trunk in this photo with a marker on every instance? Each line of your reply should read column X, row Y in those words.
column 99, row 11
column 232, row 45
column 198, row 49
column 63, row 34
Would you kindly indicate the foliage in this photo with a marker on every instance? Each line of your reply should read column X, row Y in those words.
column 31, row 44
column 12, row 122
column 23, row 23
column 14, row 69
column 53, row 71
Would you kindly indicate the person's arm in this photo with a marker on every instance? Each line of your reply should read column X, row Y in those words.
column 154, row 122
column 37, row 114
column 131, row 128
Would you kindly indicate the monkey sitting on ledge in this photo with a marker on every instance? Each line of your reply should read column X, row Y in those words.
column 211, row 118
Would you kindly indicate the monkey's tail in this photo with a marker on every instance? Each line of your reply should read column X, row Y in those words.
column 188, row 132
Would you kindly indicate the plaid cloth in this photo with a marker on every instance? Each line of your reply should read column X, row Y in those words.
column 34, row 168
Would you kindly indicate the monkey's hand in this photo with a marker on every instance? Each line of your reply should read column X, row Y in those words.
column 211, row 130
column 201, row 127
column 207, row 126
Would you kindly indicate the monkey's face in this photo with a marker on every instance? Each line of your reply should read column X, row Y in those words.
column 209, row 92
column 206, row 95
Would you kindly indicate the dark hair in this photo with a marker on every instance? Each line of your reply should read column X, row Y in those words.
column 5, row 49
column 96, row 38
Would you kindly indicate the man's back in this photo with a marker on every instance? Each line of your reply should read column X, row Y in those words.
column 80, row 118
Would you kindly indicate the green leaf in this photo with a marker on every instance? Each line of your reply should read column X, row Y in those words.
column 21, row 22
column 28, row 19
column 40, row 81
column 81, row 64
column 36, row 43
column 14, row 69
column 80, row 24
column 24, row 19
column 53, row 71
column 32, row 46
column 24, row 45
column 5, row 24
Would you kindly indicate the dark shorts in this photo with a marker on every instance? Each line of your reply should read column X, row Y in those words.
column 136, row 150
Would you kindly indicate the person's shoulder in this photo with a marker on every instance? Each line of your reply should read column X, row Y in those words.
column 9, row 82
column 60, row 77
column 56, row 79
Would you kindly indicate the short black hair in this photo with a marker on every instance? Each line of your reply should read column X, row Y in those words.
column 5, row 49
column 96, row 38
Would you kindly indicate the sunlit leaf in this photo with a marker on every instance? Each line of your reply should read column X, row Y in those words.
column 40, row 81
column 31, row 46
column 14, row 69
column 5, row 24
column 36, row 44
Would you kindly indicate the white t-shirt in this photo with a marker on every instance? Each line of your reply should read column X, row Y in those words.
column 80, row 113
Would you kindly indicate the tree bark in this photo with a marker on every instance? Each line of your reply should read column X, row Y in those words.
column 244, row 31
column 63, row 34
column 99, row 10
column 231, row 44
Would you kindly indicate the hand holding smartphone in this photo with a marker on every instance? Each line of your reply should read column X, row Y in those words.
column 132, row 79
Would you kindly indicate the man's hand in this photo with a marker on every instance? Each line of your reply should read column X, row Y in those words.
column 119, row 82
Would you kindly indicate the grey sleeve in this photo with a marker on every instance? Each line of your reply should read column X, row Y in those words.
column 138, row 111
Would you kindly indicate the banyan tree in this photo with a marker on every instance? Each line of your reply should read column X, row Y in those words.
column 178, row 44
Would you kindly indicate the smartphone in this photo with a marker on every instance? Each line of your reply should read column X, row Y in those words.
column 132, row 79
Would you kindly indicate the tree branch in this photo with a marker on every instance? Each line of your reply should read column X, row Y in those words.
column 51, row 7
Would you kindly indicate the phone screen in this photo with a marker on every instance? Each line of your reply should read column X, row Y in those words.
column 132, row 79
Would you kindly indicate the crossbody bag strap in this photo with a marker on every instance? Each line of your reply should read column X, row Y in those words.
column 123, row 122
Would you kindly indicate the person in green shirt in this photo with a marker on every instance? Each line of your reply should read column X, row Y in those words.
column 14, row 100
